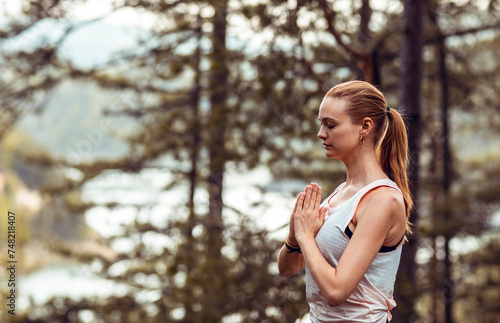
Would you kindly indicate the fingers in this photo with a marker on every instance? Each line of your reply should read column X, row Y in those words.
column 307, row 198
column 310, row 199
column 295, row 206
column 322, row 213
column 318, row 197
column 300, row 200
column 308, row 216
column 317, row 200
column 312, row 202
column 315, row 197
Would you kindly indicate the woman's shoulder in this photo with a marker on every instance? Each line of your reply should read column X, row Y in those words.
column 383, row 182
column 384, row 200
column 386, row 194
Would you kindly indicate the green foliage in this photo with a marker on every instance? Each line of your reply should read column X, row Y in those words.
column 479, row 282
column 204, row 99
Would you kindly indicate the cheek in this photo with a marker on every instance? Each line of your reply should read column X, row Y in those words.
column 343, row 138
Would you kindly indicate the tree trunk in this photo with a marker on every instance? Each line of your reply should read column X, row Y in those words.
column 216, row 123
column 195, row 146
column 410, row 100
column 367, row 62
column 371, row 70
column 446, row 183
column 364, row 33
column 194, row 155
column 217, row 158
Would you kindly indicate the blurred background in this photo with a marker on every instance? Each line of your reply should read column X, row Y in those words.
column 152, row 152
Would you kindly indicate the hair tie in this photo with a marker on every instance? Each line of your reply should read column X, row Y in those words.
column 388, row 109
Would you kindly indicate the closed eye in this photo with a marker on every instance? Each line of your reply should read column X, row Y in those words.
column 329, row 124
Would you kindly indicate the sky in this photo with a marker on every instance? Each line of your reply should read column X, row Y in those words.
column 90, row 44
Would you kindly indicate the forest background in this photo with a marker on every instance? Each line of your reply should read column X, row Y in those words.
column 152, row 152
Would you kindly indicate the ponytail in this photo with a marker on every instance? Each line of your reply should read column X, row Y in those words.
column 366, row 101
column 392, row 155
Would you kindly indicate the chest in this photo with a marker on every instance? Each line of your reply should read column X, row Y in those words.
column 339, row 200
column 331, row 239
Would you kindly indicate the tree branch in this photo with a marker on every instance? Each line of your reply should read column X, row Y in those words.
column 330, row 18
column 464, row 32
column 366, row 61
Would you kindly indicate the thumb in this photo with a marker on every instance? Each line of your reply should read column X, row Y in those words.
column 322, row 212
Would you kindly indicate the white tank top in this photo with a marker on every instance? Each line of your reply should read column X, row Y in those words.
column 372, row 299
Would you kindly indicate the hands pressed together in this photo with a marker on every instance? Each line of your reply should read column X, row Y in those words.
column 307, row 217
column 306, row 220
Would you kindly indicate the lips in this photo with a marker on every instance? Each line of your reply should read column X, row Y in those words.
column 326, row 146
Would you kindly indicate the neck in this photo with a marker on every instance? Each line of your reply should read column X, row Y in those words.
column 363, row 168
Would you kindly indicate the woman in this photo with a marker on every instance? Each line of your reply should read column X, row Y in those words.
column 351, row 243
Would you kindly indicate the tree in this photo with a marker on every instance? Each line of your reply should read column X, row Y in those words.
column 204, row 100
column 443, row 184
column 474, row 296
column 200, row 277
column 410, row 98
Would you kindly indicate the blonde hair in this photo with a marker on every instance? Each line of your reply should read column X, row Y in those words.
column 366, row 101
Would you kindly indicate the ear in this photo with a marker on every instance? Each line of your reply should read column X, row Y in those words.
column 366, row 126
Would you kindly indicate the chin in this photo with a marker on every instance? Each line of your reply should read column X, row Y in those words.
column 332, row 155
column 329, row 155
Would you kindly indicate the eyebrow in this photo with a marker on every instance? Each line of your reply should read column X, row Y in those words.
column 327, row 118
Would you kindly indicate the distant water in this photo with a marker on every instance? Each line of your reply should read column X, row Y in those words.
column 68, row 280
column 269, row 210
column 242, row 192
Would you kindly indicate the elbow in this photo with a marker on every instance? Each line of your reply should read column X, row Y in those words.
column 286, row 272
column 336, row 297
column 289, row 266
column 286, row 275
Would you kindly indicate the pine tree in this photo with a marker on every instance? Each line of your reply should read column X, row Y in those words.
column 203, row 100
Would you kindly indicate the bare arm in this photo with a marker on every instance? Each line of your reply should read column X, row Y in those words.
column 290, row 264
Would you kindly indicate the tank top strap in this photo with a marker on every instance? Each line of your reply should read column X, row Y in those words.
column 354, row 202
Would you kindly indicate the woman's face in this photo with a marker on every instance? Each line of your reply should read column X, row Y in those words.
column 340, row 136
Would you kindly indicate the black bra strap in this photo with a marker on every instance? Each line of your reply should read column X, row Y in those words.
column 348, row 233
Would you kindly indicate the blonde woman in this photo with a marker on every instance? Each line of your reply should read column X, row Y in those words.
column 350, row 244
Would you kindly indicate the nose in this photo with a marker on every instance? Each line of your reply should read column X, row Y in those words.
column 321, row 133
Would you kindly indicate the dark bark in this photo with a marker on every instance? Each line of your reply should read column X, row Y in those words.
column 367, row 61
column 216, row 129
column 371, row 70
column 192, row 175
column 446, row 183
column 365, row 34
column 410, row 101
column 196, row 138
column 446, row 171
column 214, row 303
